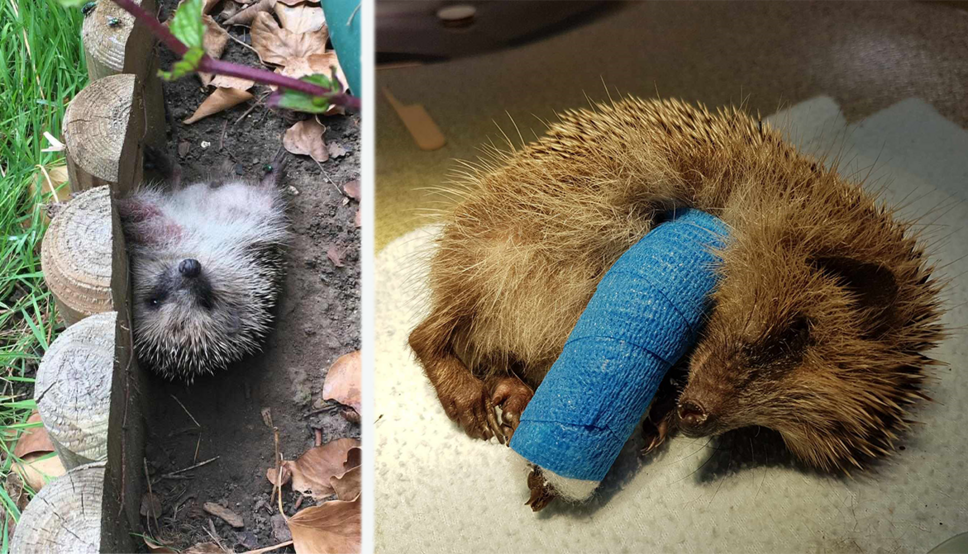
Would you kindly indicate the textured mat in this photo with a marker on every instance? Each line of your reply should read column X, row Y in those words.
column 439, row 491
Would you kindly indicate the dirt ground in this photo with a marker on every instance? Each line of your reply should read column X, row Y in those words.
column 317, row 320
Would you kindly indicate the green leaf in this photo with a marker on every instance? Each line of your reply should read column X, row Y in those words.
column 302, row 102
column 187, row 25
column 72, row 3
column 184, row 66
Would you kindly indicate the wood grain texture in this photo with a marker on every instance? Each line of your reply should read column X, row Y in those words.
column 73, row 390
column 126, row 47
column 104, row 126
column 76, row 256
column 65, row 516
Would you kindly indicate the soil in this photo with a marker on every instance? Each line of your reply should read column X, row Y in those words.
column 317, row 320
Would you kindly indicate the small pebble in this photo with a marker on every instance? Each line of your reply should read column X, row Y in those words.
column 293, row 191
column 239, row 169
column 206, row 144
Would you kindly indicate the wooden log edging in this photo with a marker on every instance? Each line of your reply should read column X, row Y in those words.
column 115, row 42
column 103, row 130
column 73, row 390
column 65, row 516
column 76, row 256
column 85, row 264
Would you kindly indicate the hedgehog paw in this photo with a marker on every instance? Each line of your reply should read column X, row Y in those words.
column 542, row 493
column 470, row 406
column 512, row 395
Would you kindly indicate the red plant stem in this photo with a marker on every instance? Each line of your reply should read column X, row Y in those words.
column 160, row 31
column 208, row 64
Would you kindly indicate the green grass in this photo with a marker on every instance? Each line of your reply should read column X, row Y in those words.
column 41, row 69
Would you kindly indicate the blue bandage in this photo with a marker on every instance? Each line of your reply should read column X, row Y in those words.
column 643, row 317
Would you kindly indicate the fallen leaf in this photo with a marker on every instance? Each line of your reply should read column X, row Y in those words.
column 344, row 379
column 245, row 16
column 306, row 138
column 156, row 548
column 272, row 472
column 354, row 458
column 225, row 514
column 314, row 64
column 38, row 469
column 209, row 5
column 335, row 255
column 330, row 528
column 150, row 505
column 311, row 472
column 34, row 439
column 214, row 42
column 359, row 218
column 352, row 188
column 224, row 81
column 220, row 100
column 300, row 18
column 347, row 487
column 275, row 45
column 336, row 150
column 229, row 10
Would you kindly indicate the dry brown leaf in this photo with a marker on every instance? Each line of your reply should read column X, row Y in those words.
column 245, row 16
column 352, row 188
column 344, row 380
column 150, row 505
column 330, row 528
column 354, row 458
column 224, row 81
column 313, row 64
column 34, row 439
column 36, row 472
column 272, row 472
column 221, row 99
column 306, row 138
column 156, row 548
column 225, row 514
column 336, row 150
column 347, row 487
column 300, row 18
column 209, row 5
column 335, row 255
column 311, row 472
column 275, row 45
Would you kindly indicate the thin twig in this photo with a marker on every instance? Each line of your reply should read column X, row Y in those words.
column 198, row 465
column 268, row 548
column 151, row 496
column 197, row 424
column 275, row 433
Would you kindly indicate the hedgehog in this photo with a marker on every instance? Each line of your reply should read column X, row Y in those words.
column 206, row 266
column 819, row 326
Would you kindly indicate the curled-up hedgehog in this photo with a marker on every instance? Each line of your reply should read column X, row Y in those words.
column 820, row 322
column 206, row 265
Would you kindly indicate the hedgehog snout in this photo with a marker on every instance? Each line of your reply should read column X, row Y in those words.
column 189, row 267
column 695, row 419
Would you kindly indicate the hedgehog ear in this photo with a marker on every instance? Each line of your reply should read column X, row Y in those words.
column 873, row 286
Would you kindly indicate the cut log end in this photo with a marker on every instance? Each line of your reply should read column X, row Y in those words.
column 103, row 126
column 73, row 389
column 76, row 256
column 65, row 516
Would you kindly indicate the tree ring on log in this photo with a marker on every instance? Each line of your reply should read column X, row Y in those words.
column 65, row 516
column 76, row 256
column 102, row 136
column 73, row 390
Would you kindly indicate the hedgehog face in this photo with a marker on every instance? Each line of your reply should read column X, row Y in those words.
column 796, row 343
column 191, row 319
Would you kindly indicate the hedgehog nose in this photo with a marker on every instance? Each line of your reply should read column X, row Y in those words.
column 190, row 267
column 692, row 415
